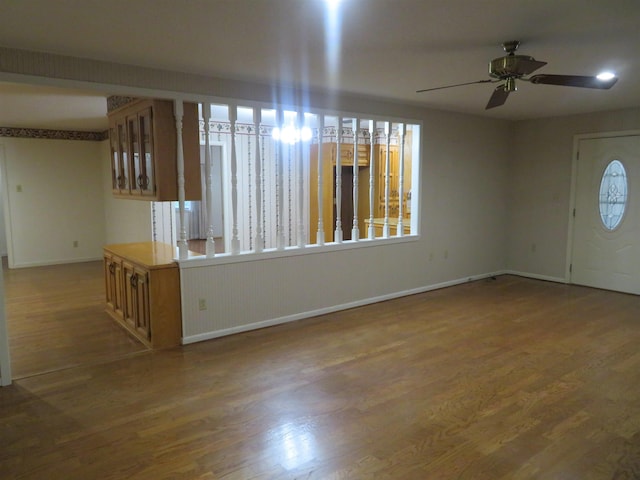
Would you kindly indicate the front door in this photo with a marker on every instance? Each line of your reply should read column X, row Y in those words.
column 606, row 229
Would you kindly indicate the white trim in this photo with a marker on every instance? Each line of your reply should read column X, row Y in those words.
column 536, row 276
column 63, row 261
column 322, row 311
column 5, row 357
column 6, row 206
column 271, row 253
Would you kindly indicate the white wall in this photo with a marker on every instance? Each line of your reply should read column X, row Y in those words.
column 125, row 220
column 60, row 201
column 463, row 225
column 540, row 184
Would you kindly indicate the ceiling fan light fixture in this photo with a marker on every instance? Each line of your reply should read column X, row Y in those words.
column 512, row 68
column 605, row 76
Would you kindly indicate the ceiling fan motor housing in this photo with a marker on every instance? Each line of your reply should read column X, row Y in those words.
column 509, row 66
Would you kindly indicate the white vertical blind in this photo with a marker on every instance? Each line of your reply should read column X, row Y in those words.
column 235, row 241
column 280, row 152
column 257, row 120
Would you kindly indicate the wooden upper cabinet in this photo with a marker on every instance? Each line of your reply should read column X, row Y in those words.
column 346, row 154
column 143, row 144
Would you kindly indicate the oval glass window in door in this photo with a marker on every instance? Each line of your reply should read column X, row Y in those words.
column 613, row 194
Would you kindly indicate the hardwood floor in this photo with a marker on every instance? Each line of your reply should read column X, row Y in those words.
column 506, row 379
column 56, row 319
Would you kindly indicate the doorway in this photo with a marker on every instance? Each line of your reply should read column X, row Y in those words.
column 606, row 225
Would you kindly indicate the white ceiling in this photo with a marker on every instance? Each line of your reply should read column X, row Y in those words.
column 385, row 48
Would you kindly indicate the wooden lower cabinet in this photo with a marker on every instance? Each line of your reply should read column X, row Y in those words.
column 136, row 299
column 142, row 284
column 113, row 284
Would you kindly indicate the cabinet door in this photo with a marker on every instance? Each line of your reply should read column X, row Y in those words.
column 146, row 177
column 129, row 291
column 115, row 158
column 381, row 179
column 122, row 177
column 136, row 304
column 139, row 129
column 142, row 318
column 113, row 284
column 133, row 146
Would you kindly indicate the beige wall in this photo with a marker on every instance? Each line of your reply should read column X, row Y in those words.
column 61, row 200
column 539, row 195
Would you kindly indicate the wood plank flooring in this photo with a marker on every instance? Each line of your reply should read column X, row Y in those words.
column 505, row 379
column 56, row 319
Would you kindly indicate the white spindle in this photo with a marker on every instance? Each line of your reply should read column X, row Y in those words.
column 183, row 246
column 355, row 231
column 235, row 241
column 387, row 133
column 337, row 236
column 301, row 163
column 320, row 233
column 257, row 120
column 280, row 184
column 400, row 229
column 208, row 172
column 372, row 178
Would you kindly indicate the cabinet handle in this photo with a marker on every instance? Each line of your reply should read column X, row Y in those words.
column 112, row 268
column 143, row 181
column 122, row 181
column 134, row 281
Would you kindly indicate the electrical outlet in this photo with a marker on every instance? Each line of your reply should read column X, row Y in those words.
column 202, row 304
column 75, row 244
column 446, row 254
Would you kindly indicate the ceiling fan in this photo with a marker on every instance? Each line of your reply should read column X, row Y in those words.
column 514, row 67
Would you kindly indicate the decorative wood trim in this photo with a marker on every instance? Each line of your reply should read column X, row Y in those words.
column 43, row 133
column 114, row 102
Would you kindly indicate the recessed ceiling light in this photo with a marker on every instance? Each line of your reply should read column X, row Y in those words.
column 605, row 76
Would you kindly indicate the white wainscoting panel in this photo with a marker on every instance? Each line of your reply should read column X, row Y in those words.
column 254, row 294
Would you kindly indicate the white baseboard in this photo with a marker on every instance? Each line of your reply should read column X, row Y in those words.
column 536, row 276
column 335, row 308
column 55, row 262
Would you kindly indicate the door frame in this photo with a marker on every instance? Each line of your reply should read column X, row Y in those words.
column 574, row 180
column 5, row 357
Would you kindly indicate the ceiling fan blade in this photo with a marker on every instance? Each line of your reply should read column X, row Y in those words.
column 527, row 66
column 498, row 97
column 456, row 85
column 573, row 81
